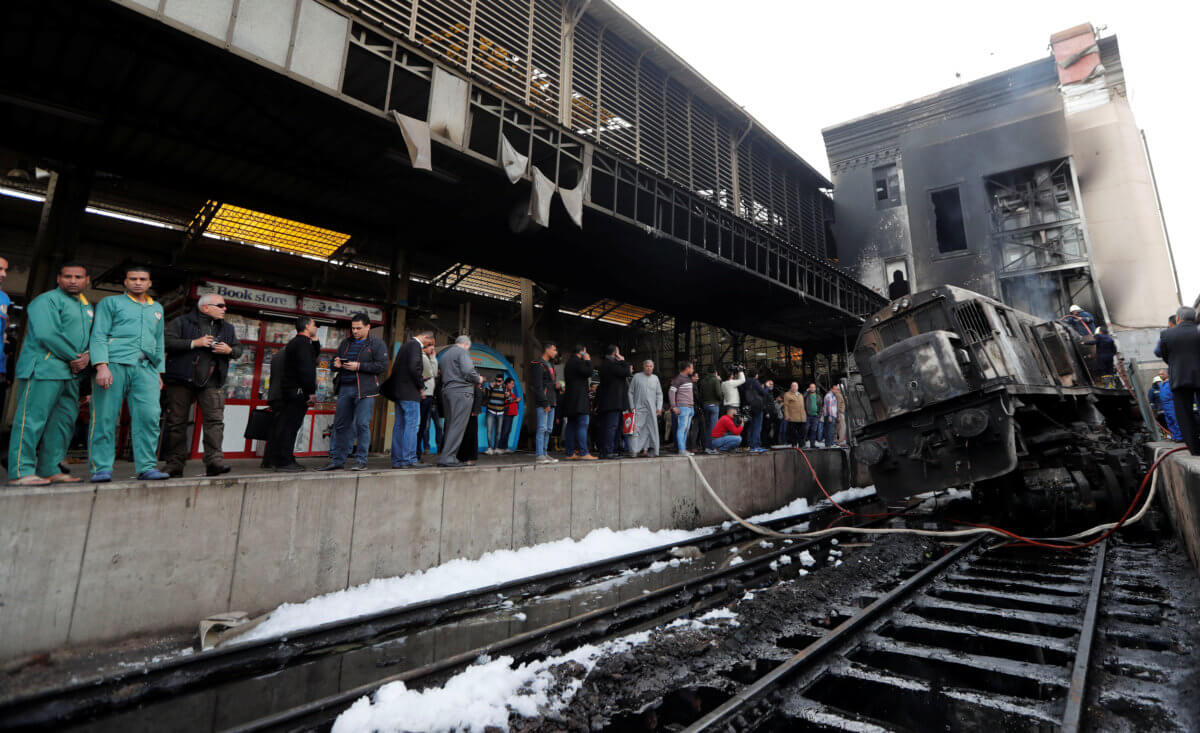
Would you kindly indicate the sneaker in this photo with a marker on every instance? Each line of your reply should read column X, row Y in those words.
column 710, row 452
column 332, row 467
column 546, row 459
column 359, row 467
column 686, row 453
column 101, row 477
column 153, row 475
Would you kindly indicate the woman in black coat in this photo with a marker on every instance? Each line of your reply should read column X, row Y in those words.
column 468, row 450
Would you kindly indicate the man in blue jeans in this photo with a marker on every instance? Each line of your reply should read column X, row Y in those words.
column 360, row 361
column 406, row 387
column 683, row 404
column 545, row 398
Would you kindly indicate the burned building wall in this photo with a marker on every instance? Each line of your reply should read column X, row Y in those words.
column 957, row 155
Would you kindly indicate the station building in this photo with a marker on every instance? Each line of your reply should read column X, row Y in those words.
column 1033, row 186
column 542, row 171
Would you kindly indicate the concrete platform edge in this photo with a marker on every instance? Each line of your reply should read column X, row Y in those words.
column 88, row 564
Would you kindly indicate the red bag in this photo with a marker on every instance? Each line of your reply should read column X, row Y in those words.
column 627, row 423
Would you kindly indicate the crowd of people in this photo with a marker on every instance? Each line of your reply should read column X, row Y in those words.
column 121, row 354
column 611, row 410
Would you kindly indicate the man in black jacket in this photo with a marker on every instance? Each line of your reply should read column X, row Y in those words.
column 360, row 361
column 612, row 398
column 292, row 390
column 578, row 374
column 544, row 391
column 406, row 387
column 1179, row 346
column 199, row 345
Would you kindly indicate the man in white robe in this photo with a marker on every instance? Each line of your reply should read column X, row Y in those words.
column 646, row 401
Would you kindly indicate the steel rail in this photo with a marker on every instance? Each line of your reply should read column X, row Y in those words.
column 135, row 686
column 659, row 605
column 761, row 691
column 1073, row 714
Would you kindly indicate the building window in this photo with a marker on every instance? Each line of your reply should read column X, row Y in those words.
column 887, row 186
column 948, row 219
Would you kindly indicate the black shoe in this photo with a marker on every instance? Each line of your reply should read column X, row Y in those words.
column 174, row 472
column 291, row 468
column 213, row 470
column 332, row 467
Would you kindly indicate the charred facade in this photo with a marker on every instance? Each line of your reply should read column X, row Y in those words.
column 961, row 390
column 1032, row 186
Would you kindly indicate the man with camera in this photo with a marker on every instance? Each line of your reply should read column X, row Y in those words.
column 727, row 434
column 199, row 344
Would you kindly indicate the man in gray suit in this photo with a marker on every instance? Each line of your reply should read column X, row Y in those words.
column 458, row 380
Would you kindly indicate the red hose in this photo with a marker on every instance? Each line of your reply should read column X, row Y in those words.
column 1021, row 540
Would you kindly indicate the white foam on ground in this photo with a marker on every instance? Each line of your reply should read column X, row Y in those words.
column 479, row 697
column 461, row 575
column 486, row 694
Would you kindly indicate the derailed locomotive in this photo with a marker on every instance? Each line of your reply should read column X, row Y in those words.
column 960, row 390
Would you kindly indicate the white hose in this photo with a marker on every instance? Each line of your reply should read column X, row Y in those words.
column 924, row 532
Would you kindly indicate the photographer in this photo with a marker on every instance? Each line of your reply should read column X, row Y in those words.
column 727, row 434
column 199, row 345
column 729, row 388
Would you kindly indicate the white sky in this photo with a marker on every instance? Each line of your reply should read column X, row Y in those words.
column 800, row 65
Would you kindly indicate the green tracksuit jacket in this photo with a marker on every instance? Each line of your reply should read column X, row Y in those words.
column 60, row 329
column 128, row 336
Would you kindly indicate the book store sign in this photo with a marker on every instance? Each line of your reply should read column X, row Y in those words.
column 250, row 296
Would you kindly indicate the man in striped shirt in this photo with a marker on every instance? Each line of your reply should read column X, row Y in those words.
column 495, row 415
column 682, row 404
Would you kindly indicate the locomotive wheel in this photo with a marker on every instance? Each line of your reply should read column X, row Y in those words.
column 1111, row 493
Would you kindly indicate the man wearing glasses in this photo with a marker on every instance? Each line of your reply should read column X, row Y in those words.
column 200, row 344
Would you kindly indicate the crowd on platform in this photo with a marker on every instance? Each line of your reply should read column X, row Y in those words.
column 122, row 354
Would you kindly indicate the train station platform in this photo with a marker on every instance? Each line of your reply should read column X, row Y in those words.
column 1179, row 484
column 87, row 563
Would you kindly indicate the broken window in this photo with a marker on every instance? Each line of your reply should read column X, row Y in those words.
column 948, row 220
column 887, row 186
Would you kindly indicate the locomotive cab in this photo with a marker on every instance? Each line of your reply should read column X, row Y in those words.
column 962, row 390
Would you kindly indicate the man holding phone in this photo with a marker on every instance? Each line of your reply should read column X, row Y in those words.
column 199, row 344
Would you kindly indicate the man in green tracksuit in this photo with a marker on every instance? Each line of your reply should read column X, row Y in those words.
column 47, row 388
column 127, row 349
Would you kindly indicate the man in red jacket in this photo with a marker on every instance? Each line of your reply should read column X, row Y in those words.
column 727, row 434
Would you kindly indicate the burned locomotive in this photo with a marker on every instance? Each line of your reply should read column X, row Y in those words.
column 960, row 390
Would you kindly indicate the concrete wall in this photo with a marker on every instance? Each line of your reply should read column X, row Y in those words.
column 1179, row 487
column 1129, row 246
column 92, row 563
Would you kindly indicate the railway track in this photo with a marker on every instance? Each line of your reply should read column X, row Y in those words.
column 982, row 638
column 131, row 695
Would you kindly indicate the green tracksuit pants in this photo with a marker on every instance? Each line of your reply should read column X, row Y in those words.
column 136, row 384
column 42, row 426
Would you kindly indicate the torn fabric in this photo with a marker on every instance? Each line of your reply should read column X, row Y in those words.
column 416, row 137
column 540, row 197
column 514, row 163
column 573, row 198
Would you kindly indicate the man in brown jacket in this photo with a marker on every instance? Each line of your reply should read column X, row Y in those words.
column 793, row 414
column 840, row 426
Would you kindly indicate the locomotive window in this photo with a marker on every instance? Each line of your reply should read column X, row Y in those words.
column 972, row 322
column 930, row 317
column 894, row 331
